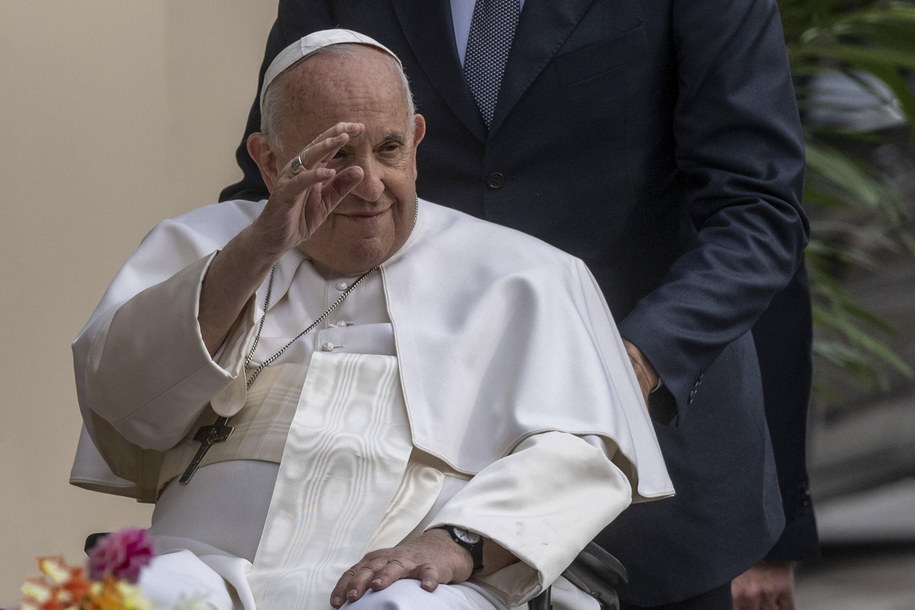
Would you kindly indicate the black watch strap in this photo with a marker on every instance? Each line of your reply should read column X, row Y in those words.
column 471, row 541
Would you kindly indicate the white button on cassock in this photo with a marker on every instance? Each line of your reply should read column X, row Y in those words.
column 341, row 286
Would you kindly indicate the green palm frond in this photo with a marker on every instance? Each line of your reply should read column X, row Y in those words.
column 859, row 212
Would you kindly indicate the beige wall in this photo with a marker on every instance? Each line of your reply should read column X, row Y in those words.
column 113, row 115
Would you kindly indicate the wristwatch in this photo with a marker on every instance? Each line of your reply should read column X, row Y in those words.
column 471, row 541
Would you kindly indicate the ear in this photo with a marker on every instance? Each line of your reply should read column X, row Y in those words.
column 419, row 129
column 419, row 132
column 260, row 150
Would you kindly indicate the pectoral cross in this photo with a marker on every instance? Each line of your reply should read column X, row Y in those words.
column 207, row 436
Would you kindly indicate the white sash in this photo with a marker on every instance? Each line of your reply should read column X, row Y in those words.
column 345, row 456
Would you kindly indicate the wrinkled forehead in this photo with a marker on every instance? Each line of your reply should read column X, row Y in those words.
column 310, row 45
column 341, row 75
column 344, row 83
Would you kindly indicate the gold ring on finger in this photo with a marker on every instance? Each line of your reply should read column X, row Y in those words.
column 297, row 165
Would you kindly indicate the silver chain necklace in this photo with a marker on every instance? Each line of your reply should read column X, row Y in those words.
column 220, row 430
column 311, row 327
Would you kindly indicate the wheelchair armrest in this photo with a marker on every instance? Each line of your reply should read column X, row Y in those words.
column 594, row 571
column 92, row 540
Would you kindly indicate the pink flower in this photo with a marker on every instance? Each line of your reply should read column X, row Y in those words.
column 122, row 554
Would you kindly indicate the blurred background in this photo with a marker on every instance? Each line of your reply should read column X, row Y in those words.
column 852, row 61
column 118, row 113
column 114, row 114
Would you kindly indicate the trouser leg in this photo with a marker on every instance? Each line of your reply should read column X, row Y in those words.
column 408, row 595
column 178, row 577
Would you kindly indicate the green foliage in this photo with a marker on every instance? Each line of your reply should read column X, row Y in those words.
column 859, row 211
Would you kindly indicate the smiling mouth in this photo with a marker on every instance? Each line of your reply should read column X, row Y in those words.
column 366, row 216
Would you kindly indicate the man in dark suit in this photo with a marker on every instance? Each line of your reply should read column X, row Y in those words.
column 660, row 143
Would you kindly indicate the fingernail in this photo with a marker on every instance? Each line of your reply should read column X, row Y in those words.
column 352, row 594
column 336, row 602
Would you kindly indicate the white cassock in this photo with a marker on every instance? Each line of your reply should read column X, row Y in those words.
column 477, row 379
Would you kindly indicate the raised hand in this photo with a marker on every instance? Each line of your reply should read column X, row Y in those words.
column 305, row 191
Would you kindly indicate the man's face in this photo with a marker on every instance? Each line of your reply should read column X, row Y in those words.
column 376, row 218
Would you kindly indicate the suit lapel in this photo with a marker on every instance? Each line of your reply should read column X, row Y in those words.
column 543, row 28
column 428, row 27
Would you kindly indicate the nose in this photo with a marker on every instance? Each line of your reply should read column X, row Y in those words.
column 372, row 185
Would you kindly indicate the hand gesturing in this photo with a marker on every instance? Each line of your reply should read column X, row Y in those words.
column 305, row 191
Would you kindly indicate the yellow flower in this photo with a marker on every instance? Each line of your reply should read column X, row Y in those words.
column 112, row 594
column 55, row 569
column 37, row 590
column 60, row 586
column 133, row 598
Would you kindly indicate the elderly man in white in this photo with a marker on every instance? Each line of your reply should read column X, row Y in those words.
column 345, row 395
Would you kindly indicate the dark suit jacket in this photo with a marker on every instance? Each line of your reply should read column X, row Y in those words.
column 659, row 141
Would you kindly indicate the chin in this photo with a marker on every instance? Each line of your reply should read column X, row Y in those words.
column 362, row 257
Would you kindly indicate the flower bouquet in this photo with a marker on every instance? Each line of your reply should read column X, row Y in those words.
column 114, row 568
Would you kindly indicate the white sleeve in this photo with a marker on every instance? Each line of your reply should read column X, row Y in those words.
column 145, row 369
column 543, row 503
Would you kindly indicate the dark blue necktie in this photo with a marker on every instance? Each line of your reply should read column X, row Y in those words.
column 491, row 31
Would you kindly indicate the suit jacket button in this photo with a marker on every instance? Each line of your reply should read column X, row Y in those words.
column 495, row 180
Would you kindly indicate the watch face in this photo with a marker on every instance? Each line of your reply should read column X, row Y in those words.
column 468, row 537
